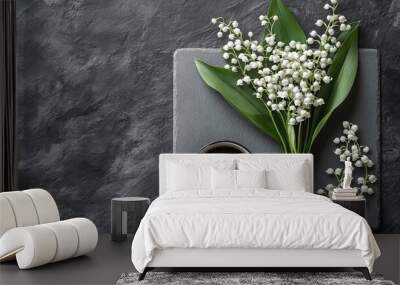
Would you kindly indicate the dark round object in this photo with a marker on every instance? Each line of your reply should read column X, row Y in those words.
column 224, row 147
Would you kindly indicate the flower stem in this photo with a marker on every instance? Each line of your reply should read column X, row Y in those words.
column 283, row 143
column 299, row 130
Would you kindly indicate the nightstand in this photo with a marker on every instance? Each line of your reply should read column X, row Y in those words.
column 119, row 215
column 358, row 206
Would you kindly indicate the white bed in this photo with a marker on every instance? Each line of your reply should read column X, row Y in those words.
column 250, row 227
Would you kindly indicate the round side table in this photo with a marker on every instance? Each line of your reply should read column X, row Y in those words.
column 119, row 215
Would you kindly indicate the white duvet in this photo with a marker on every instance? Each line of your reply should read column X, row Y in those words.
column 250, row 219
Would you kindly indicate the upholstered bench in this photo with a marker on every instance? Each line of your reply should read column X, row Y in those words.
column 31, row 230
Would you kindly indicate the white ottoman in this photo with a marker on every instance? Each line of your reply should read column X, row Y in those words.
column 32, row 233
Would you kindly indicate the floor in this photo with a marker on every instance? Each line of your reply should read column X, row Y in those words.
column 111, row 259
column 389, row 263
column 104, row 266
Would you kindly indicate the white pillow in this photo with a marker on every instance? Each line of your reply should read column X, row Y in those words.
column 226, row 179
column 281, row 174
column 251, row 178
column 190, row 177
column 193, row 173
column 223, row 179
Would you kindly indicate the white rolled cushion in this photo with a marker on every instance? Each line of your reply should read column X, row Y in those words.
column 7, row 219
column 23, row 208
column 251, row 178
column 45, row 205
column 37, row 245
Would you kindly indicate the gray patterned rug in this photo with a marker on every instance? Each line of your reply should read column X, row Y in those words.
column 243, row 278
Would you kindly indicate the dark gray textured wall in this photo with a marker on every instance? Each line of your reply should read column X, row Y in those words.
column 95, row 91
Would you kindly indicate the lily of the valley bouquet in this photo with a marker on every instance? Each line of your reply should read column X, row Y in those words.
column 285, row 83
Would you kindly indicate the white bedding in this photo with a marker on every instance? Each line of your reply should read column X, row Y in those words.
column 250, row 218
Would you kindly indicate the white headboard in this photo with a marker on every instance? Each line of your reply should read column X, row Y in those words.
column 164, row 158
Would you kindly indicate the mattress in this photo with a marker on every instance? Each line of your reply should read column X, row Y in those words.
column 250, row 219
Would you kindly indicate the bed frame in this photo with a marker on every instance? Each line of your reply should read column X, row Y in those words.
column 249, row 259
column 242, row 259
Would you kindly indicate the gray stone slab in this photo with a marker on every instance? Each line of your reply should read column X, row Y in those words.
column 202, row 116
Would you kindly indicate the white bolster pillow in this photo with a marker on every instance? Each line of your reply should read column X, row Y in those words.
column 40, row 244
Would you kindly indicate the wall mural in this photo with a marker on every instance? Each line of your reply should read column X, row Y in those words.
column 288, row 85
column 94, row 91
column 200, row 108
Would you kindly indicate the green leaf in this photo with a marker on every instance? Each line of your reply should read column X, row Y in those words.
column 286, row 28
column 344, row 72
column 346, row 38
column 240, row 98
